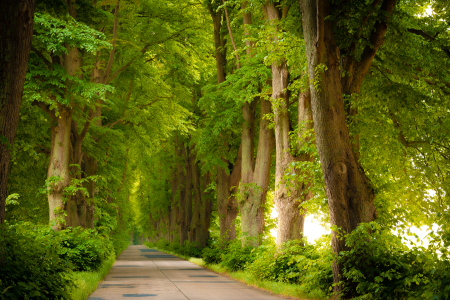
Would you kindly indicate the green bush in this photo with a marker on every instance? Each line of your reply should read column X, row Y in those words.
column 84, row 248
column 236, row 257
column 379, row 266
column 30, row 267
column 296, row 263
column 190, row 249
column 439, row 286
column 211, row 255
column 163, row 244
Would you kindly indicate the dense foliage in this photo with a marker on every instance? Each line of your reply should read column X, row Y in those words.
column 183, row 124
column 39, row 261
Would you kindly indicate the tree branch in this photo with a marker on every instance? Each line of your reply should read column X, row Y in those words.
column 401, row 136
column 41, row 56
column 87, row 124
column 113, row 50
column 231, row 35
column 42, row 149
column 376, row 39
column 429, row 38
column 143, row 50
column 45, row 108
column 122, row 119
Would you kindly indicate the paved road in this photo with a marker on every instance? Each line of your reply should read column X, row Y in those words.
column 145, row 273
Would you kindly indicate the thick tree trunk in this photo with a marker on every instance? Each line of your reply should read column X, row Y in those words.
column 86, row 207
column 255, row 174
column 255, row 180
column 58, row 169
column 226, row 206
column 350, row 194
column 205, row 211
column 225, row 183
column 16, row 31
column 287, row 197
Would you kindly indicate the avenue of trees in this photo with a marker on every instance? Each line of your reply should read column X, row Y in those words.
column 186, row 122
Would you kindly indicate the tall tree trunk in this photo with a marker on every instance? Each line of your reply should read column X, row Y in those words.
column 182, row 229
column 174, row 208
column 255, row 174
column 16, row 31
column 219, row 44
column 205, row 211
column 85, row 207
column 226, row 207
column 187, row 213
column 90, row 169
column 226, row 180
column 287, row 197
column 72, row 64
column 196, row 218
column 58, row 169
column 255, row 180
column 350, row 194
column 65, row 148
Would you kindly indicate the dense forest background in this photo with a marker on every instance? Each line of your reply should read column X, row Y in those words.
column 185, row 123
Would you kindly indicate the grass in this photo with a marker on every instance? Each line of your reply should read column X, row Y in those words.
column 278, row 288
column 274, row 287
column 87, row 282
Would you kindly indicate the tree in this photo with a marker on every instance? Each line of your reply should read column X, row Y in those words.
column 337, row 67
column 227, row 179
column 16, row 23
column 290, row 191
column 57, row 85
column 255, row 170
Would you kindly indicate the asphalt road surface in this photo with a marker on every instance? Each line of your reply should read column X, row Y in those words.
column 145, row 273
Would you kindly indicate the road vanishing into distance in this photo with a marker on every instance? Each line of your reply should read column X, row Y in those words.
column 145, row 273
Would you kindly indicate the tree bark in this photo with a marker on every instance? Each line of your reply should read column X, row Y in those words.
column 255, row 179
column 58, row 168
column 349, row 191
column 72, row 62
column 205, row 211
column 174, row 207
column 90, row 169
column 287, row 197
column 16, row 31
column 226, row 206
column 195, row 221
column 182, row 229
column 255, row 174
column 187, row 213
column 219, row 44
column 225, row 183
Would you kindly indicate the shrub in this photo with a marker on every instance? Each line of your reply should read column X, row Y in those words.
column 31, row 267
column 84, row 248
column 236, row 257
column 211, row 255
column 190, row 249
column 297, row 263
column 162, row 244
column 379, row 266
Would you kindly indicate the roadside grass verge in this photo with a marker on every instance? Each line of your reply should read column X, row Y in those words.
column 278, row 288
column 86, row 282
